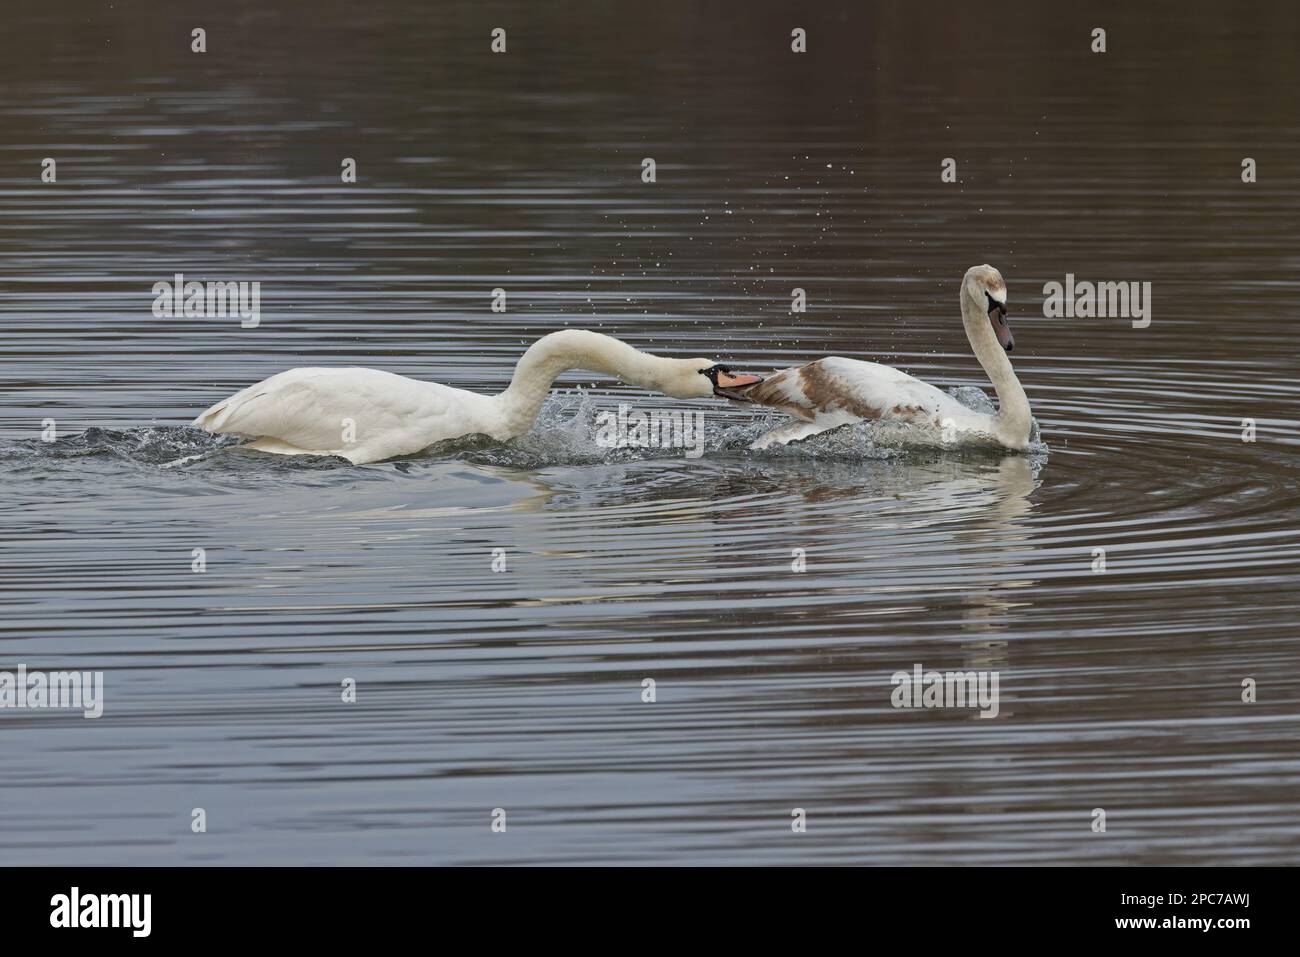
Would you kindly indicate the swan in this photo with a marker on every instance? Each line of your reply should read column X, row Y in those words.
column 835, row 391
column 365, row 415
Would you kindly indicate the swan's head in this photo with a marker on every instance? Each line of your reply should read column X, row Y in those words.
column 987, row 289
column 702, row 378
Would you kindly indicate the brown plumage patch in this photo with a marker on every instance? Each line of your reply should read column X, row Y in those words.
column 773, row 391
column 807, row 391
column 915, row 414
column 826, row 393
column 811, row 390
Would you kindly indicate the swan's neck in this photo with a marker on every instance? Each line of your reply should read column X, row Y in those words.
column 1011, row 424
column 554, row 354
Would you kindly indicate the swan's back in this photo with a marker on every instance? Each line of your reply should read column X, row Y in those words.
column 852, row 389
column 319, row 409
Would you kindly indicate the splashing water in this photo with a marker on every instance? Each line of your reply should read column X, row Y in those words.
column 565, row 434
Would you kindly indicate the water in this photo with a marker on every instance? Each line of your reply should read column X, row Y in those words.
column 522, row 690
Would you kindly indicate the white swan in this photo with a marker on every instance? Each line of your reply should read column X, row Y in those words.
column 834, row 391
column 365, row 415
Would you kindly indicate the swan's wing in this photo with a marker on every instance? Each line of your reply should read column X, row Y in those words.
column 314, row 409
column 849, row 390
column 793, row 431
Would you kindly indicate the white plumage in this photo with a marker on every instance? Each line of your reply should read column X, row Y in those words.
column 365, row 415
column 314, row 411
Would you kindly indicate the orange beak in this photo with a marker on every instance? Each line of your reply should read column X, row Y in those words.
column 724, row 383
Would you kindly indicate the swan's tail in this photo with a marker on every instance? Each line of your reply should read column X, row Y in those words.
column 215, row 417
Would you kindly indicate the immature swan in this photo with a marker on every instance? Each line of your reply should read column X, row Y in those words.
column 365, row 415
column 834, row 391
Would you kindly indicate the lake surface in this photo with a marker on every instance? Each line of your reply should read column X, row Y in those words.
column 523, row 689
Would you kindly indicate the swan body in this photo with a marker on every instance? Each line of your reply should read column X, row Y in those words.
column 365, row 415
column 307, row 412
column 835, row 391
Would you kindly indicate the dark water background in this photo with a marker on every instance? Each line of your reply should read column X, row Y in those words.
column 522, row 690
